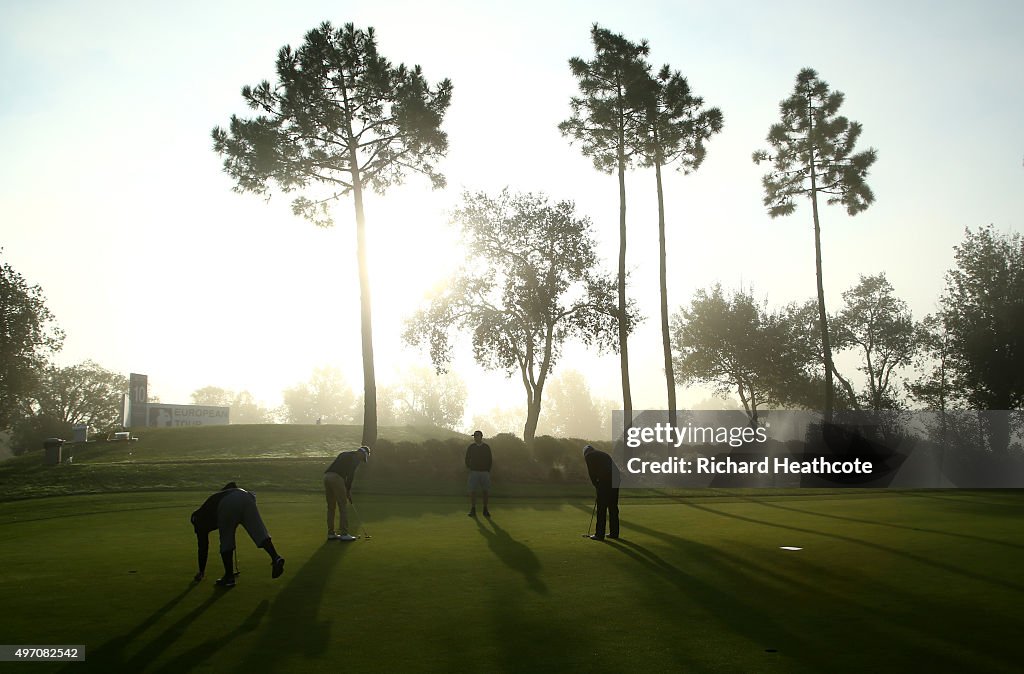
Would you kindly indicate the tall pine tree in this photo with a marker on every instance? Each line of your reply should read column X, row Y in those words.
column 608, row 123
column 676, row 127
column 339, row 119
column 812, row 155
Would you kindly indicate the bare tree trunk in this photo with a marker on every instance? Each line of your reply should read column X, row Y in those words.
column 627, row 398
column 826, row 346
column 670, row 379
column 366, row 322
column 848, row 388
column 532, row 418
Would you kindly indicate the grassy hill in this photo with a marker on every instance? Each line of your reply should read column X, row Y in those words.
column 203, row 458
column 406, row 460
column 282, row 441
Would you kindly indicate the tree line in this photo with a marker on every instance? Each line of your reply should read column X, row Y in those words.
column 418, row 398
column 341, row 117
column 966, row 355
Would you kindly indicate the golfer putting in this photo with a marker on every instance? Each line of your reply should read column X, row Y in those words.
column 604, row 475
column 338, row 490
column 224, row 511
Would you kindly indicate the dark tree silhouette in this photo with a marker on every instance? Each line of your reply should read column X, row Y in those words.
column 676, row 127
column 608, row 122
column 529, row 284
column 982, row 311
column 879, row 325
column 737, row 346
column 67, row 396
column 813, row 155
column 933, row 387
column 27, row 336
column 340, row 118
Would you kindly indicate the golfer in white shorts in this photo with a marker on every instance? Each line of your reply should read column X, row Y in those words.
column 478, row 460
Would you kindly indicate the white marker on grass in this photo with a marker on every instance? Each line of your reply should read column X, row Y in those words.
column 788, row 547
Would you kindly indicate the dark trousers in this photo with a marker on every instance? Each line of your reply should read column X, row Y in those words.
column 607, row 510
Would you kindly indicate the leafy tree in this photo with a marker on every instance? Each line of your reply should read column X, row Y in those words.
column 715, row 403
column 83, row 394
column 244, row 407
column 387, row 405
column 213, row 396
column 676, row 126
column 340, row 118
column 499, row 420
column 813, row 155
column 325, row 396
column 982, row 311
column 879, row 325
column 426, row 397
column 68, row 396
column 529, row 284
column 734, row 344
column 571, row 411
column 933, row 387
column 608, row 121
column 27, row 336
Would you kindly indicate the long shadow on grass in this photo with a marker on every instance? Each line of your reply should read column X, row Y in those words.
column 949, row 568
column 70, row 515
column 530, row 641
column 111, row 657
column 737, row 613
column 940, row 532
column 293, row 628
column 972, row 498
column 204, row 651
column 945, row 634
column 517, row 556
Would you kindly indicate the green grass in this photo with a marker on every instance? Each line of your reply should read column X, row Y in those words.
column 887, row 581
column 100, row 552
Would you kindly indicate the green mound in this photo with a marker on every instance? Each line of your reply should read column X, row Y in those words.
column 260, row 456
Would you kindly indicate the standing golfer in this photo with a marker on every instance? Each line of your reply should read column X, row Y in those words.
column 338, row 490
column 224, row 511
column 604, row 475
column 478, row 460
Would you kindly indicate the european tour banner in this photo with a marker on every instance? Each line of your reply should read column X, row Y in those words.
column 162, row 416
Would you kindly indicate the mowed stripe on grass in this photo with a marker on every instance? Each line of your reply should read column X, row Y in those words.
column 885, row 582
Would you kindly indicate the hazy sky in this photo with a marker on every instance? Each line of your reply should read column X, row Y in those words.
column 112, row 199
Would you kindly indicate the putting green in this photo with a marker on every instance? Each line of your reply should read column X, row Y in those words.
column 884, row 582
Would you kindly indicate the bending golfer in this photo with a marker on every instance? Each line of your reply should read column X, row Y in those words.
column 604, row 475
column 478, row 460
column 224, row 511
column 338, row 490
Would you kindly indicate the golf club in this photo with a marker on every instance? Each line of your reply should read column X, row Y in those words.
column 362, row 525
column 237, row 570
column 589, row 526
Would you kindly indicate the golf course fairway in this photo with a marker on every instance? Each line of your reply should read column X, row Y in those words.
column 883, row 581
